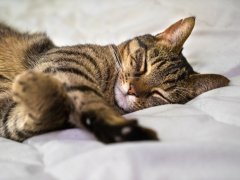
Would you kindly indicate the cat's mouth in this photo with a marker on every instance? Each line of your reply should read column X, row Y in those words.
column 124, row 100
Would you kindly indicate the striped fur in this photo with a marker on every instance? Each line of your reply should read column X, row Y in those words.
column 45, row 88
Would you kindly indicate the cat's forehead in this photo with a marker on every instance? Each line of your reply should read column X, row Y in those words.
column 148, row 39
column 144, row 41
column 149, row 44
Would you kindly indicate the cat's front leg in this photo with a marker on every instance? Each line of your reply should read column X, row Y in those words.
column 104, row 122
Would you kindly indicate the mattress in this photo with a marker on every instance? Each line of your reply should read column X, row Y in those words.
column 199, row 140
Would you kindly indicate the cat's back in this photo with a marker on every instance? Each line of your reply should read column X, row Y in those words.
column 18, row 51
column 95, row 60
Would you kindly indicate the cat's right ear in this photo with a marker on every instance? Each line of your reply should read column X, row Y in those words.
column 175, row 35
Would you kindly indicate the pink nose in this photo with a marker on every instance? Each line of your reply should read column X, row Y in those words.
column 131, row 90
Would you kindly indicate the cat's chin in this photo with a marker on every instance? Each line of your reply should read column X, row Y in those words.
column 124, row 100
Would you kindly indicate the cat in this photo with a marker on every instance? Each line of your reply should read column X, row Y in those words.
column 45, row 88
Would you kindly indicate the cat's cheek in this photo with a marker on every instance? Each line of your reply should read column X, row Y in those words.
column 131, row 100
column 124, row 101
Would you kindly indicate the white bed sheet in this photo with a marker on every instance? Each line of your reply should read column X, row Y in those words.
column 199, row 140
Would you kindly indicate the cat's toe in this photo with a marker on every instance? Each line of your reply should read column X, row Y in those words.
column 22, row 84
column 139, row 133
column 129, row 131
column 107, row 132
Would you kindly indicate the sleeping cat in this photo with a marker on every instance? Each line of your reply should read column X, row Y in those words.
column 44, row 87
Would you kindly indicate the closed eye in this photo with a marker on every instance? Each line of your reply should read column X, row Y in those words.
column 159, row 94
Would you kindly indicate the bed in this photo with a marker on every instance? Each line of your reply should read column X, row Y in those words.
column 199, row 140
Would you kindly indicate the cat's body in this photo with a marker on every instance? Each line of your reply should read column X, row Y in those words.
column 45, row 88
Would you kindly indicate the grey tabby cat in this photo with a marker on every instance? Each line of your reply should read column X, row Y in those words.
column 45, row 88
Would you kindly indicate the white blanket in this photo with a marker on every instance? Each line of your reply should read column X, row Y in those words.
column 199, row 140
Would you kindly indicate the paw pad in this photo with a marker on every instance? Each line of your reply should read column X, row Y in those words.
column 126, row 130
column 88, row 121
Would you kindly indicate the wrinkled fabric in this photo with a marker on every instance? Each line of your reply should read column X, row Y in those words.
column 199, row 140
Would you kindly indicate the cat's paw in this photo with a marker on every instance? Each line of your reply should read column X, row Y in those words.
column 34, row 89
column 106, row 132
column 135, row 132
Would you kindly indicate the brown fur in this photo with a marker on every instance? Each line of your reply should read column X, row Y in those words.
column 45, row 88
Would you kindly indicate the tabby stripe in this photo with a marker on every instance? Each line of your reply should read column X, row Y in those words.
column 106, row 85
column 125, row 46
column 63, row 51
column 76, row 53
column 108, row 78
column 170, row 81
column 141, row 44
column 145, row 64
column 6, row 115
column 156, row 61
column 69, row 70
column 93, row 49
column 5, row 119
column 3, row 89
column 72, row 60
column 92, row 60
column 61, row 59
column 116, row 54
column 181, row 76
column 77, row 62
column 80, row 54
column 4, row 78
column 128, row 48
column 161, row 64
column 108, row 74
column 171, row 70
column 170, row 87
column 83, row 88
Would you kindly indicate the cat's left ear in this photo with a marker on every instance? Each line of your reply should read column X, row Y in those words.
column 175, row 35
column 201, row 83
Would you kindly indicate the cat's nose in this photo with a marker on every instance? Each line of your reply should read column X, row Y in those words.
column 131, row 90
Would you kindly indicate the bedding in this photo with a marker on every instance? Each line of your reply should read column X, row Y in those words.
column 199, row 140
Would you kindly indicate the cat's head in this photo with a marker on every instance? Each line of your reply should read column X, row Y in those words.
column 154, row 71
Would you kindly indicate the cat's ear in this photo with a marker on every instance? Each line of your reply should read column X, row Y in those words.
column 201, row 83
column 175, row 35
